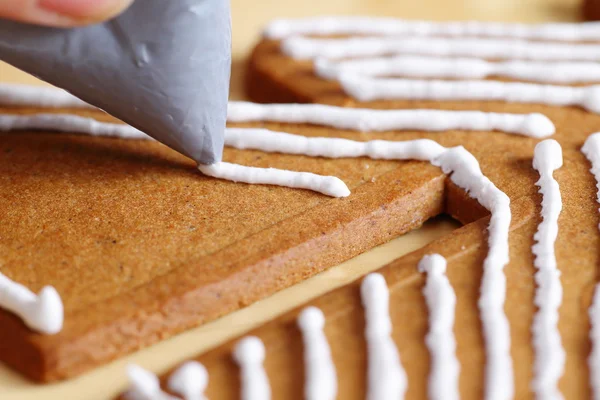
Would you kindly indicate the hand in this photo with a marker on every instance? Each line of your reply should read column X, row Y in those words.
column 62, row 13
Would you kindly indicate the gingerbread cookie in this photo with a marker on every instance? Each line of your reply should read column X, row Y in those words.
column 504, row 307
column 136, row 245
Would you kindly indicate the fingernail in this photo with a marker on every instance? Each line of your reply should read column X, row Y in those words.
column 85, row 10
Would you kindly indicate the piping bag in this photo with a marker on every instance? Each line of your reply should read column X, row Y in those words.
column 163, row 66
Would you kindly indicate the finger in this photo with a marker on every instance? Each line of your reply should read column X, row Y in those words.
column 61, row 13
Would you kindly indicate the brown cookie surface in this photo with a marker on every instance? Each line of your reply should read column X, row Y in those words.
column 141, row 246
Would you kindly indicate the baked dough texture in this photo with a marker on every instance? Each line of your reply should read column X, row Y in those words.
column 507, row 161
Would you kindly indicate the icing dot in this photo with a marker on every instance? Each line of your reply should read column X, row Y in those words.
column 249, row 350
column 190, row 380
column 311, row 317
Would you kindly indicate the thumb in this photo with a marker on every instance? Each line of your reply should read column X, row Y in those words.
column 62, row 13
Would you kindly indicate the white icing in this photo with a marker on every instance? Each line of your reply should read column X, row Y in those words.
column 461, row 68
column 386, row 376
column 249, row 353
column 534, row 124
column 594, row 359
column 279, row 142
column 43, row 312
column 321, row 379
column 38, row 96
column 369, row 89
column 493, row 49
column 69, row 123
column 322, row 26
column 144, row 385
column 549, row 354
column 189, row 381
column 499, row 380
column 328, row 185
column 591, row 149
column 441, row 302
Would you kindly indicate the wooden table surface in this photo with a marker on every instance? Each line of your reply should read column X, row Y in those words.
column 248, row 18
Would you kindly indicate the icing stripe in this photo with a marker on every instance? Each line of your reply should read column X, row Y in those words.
column 534, row 124
column 392, row 26
column 321, row 379
column 328, row 185
column 495, row 49
column 549, row 354
column 467, row 175
column 43, row 312
column 591, row 149
column 69, row 123
column 287, row 143
column 249, row 353
column 38, row 96
column 461, row 68
column 190, row 381
column 441, row 301
column 369, row 89
column 594, row 359
column 144, row 385
column 386, row 376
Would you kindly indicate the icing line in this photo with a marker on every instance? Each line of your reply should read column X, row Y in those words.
column 393, row 26
column 499, row 380
column 534, row 124
column 321, row 379
column 38, row 96
column 549, row 354
column 591, row 149
column 369, row 89
column 386, row 376
column 328, row 185
column 249, row 353
column 69, row 123
column 441, row 302
column 495, row 49
column 594, row 358
column 461, row 68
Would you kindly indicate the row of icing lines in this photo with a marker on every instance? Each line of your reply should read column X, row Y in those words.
column 362, row 79
column 386, row 376
column 463, row 169
column 371, row 50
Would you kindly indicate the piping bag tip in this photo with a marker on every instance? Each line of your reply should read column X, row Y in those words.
column 162, row 67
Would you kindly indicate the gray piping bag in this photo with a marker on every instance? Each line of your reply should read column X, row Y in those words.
column 163, row 66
